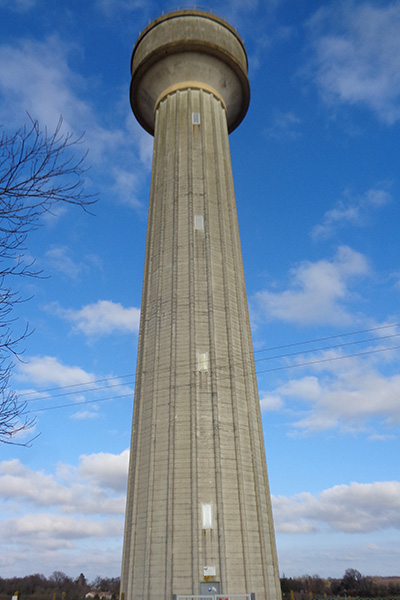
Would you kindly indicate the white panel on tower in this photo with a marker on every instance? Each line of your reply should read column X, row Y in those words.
column 199, row 222
column 206, row 516
column 202, row 361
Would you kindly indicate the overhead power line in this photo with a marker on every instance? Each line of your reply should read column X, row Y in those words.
column 84, row 389
column 70, row 393
column 285, row 367
column 332, row 358
column 65, row 387
column 79, row 403
column 384, row 337
column 329, row 337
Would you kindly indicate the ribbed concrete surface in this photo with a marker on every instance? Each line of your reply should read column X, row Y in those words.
column 197, row 436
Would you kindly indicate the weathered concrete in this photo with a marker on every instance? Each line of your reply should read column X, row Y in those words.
column 198, row 489
column 189, row 46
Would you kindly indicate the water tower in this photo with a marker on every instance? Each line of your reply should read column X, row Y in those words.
column 198, row 514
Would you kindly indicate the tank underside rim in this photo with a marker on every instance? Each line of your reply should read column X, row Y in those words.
column 183, row 46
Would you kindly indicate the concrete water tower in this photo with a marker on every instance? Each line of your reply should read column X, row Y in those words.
column 198, row 513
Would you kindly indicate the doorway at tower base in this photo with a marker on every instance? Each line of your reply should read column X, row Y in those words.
column 211, row 591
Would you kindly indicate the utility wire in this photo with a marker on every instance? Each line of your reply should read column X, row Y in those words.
column 79, row 403
column 64, row 387
column 287, row 355
column 329, row 337
column 323, row 360
column 313, row 362
column 383, row 337
column 103, row 387
column 123, row 384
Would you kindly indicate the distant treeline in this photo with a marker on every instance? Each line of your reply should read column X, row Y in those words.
column 61, row 587
column 58, row 587
column 352, row 584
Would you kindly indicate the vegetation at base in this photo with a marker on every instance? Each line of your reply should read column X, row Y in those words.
column 58, row 587
column 352, row 585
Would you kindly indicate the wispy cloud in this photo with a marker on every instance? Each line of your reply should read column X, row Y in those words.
column 284, row 126
column 112, row 7
column 357, row 56
column 19, row 5
column 84, row 415
column 350, row 210
column 318, row 293
column 36, row 77
column 60, row 259
column 50, row 87
column 100, row 318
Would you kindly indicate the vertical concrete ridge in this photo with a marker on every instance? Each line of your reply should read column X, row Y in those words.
column 226, row 226
column 192, row 350
column 216, row 419
column 169, row 564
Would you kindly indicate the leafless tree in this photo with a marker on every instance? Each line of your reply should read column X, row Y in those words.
column 38, row 170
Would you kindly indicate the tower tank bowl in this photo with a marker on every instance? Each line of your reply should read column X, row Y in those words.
column 189, row 49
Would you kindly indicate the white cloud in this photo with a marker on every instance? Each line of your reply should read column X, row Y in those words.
column 109, row 470
column 83, row 415
column 69, row 381
column 44, row 528
column 357, row 56
column 19, row 481
column 101, row 318
column 350, row 210
column 96, row 486
column 52, row 519
column 270, row 402
column 350, row 395
column 48, row 370
column 73, row 491
column 318, row 291
column 354, row 508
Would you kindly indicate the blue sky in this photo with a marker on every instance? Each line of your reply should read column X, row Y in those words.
column 316, row 169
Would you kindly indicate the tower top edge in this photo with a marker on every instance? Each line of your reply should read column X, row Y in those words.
column 190, row 12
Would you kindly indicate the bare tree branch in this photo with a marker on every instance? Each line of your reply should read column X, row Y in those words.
column 38, row 170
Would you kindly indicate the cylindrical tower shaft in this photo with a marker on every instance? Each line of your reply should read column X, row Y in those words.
column 198, row 514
